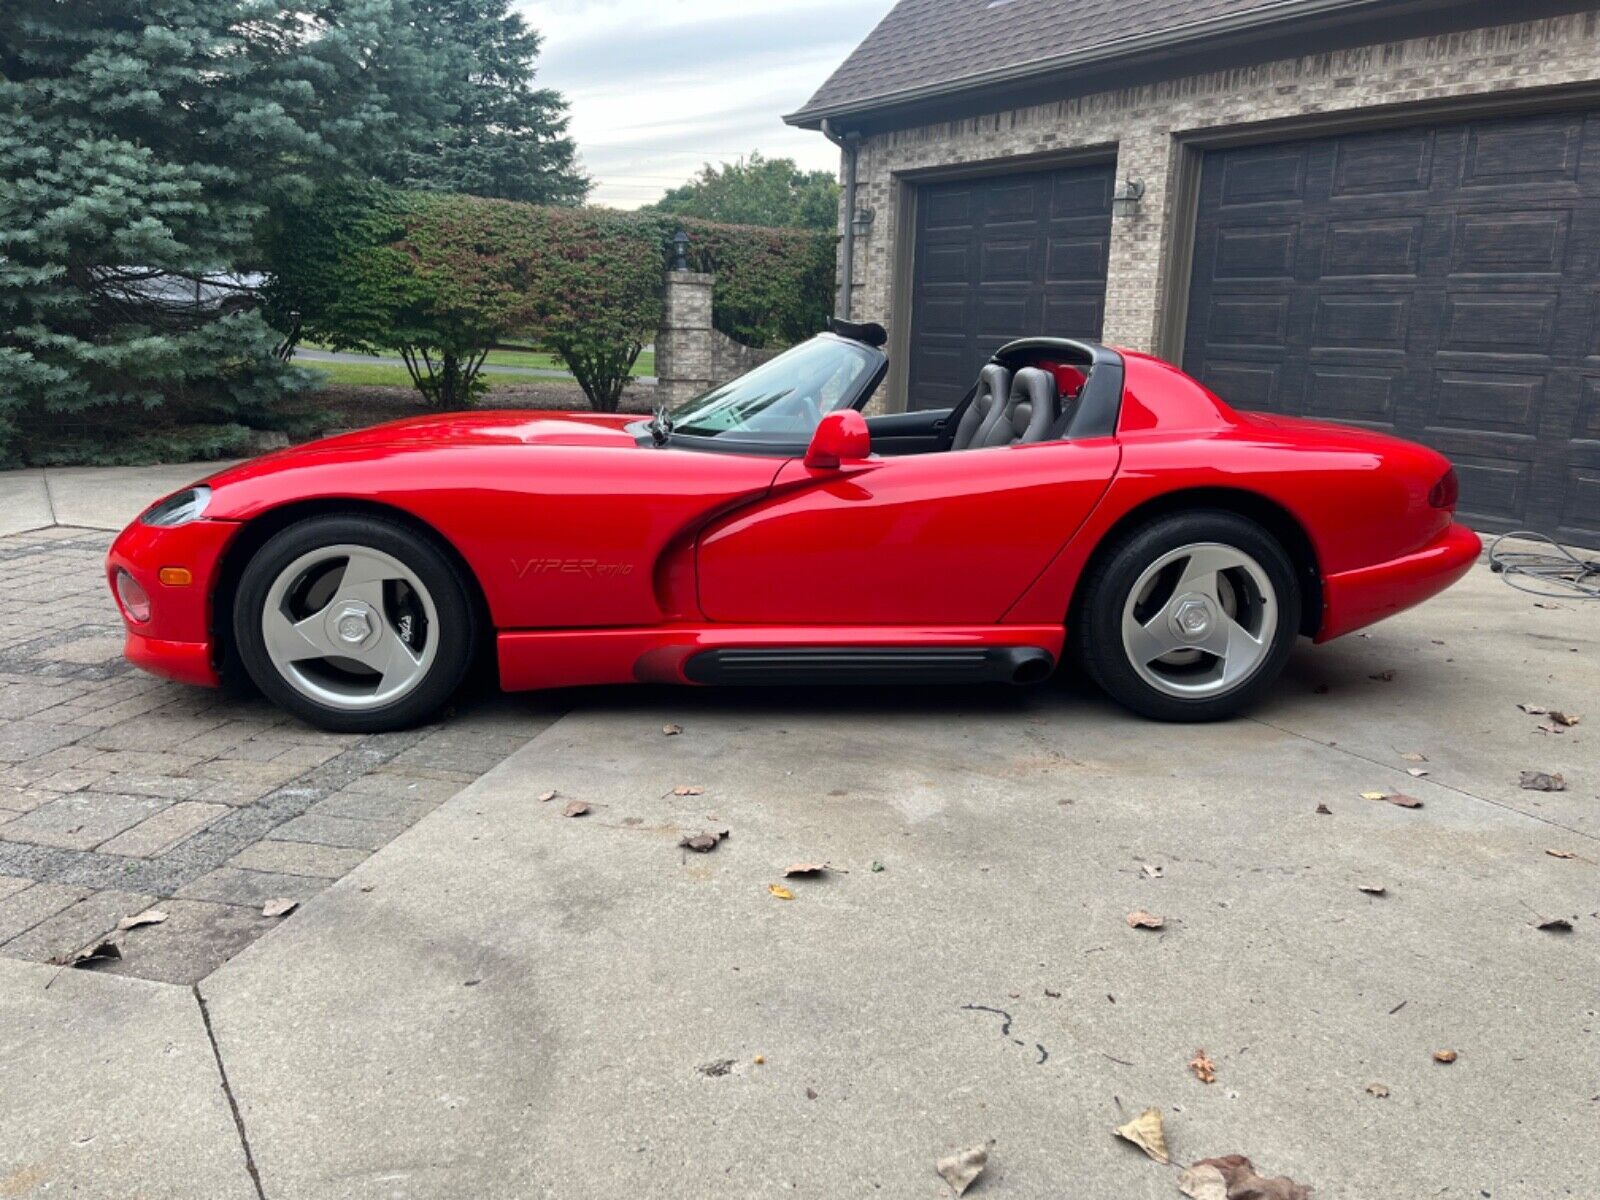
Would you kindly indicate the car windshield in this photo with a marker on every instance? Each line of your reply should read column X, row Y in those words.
column 783, row 400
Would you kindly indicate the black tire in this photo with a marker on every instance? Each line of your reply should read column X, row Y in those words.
column 1097, row 636
column 456, row 627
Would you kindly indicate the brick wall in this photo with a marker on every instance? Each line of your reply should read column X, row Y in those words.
column 1142, row 124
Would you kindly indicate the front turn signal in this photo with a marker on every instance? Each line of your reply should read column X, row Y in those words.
column 176, row 576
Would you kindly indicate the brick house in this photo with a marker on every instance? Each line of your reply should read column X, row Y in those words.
column 1378, row 211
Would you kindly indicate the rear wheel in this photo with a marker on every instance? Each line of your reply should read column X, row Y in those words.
column 354, row 623
column 1189, row 618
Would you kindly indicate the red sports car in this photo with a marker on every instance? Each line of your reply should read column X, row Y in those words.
column 1080, row 499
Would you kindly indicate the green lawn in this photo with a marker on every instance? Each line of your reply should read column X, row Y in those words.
column 530, row 358
column 379, row 375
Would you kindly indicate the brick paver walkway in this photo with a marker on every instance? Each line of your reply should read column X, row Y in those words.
column 119, row 792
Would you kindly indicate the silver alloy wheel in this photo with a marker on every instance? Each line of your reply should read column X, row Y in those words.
column 1200, row 620
column 350, row 627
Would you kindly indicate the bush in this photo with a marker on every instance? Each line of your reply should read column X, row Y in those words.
column 445, row 279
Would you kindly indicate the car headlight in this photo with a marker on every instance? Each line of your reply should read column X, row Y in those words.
column 179, row 509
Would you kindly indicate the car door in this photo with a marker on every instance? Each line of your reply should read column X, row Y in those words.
column 946, row 538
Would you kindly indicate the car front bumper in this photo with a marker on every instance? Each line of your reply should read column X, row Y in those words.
column 1355, row 599
column 177, row 642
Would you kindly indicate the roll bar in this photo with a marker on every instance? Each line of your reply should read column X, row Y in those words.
column 1099, row 403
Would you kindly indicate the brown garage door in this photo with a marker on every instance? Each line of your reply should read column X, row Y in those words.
column 1438, row 282
column 1000, row 258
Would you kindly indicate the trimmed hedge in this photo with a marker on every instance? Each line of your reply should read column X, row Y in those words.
column 444, row 279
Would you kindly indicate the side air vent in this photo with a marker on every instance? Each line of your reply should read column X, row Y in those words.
column 866, row 665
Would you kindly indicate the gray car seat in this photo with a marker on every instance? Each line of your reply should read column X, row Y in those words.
column 1029, row 412
column 994, row 385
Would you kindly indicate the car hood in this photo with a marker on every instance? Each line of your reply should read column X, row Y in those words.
column 490, row 428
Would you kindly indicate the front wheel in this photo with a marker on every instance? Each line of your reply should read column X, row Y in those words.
column 354, row 624
column 1189, row 618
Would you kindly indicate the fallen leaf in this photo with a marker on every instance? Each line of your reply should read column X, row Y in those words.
column 703, row 843
column 1324, row 811
column 1534, row 710
column 548, row 796
column 1372, row 889
column 280, row 907
column 576, row 808
column 1540, row 781
column 1152, row 871
column 1144, row 1131
column 1380, row 1090
column 1399, row 799
column 1564, row 718
column 805, row 870
column 760, row 1060
column 781, row 892
column 1414, row 756
column 717, row 1069
column 1383, row 676
column 150, row 916
column 1554, row 924
column 961, row 1169
column 672, row 730
column 811, row 1093
column 1143, row 920
column 876, row 866
column 688, row 790
column 1204, row 1069
column 1444, row 1056
column 1561, row 854
column 1417, row 772
column 1203, row 1183
column 1240, row 1178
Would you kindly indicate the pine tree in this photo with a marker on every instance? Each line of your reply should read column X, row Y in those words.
column 502, row 138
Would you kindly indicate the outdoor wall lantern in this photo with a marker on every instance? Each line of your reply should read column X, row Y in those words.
column 680, row 246
column 861, row 226
column 1125, row 197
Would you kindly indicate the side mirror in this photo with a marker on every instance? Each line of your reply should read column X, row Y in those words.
column 840, row 437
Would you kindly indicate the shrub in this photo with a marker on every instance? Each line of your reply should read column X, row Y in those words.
column 444, row 279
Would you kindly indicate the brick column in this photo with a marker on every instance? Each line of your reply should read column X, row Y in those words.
column 1135, row 276
column 683, row 344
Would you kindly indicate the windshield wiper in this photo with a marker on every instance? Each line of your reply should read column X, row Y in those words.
column 660, row 426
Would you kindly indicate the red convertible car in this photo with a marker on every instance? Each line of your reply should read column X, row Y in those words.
column 1079, row 501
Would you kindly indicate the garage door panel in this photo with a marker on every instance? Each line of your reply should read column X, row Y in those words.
column 995, row 259
column 1510, row 243
column 1357, row 321
column 1586, row 417
column 1080, row 194
column 1007, row 260
column 1365, row 395
column 1254, row 252
column 1523, row 150
column 1383, row 163
column 1381, row 246
column 1445, row 283
column 1580, row 503
column 1510, row 324
column 1254, row 387
column 1476, row 400
column 1264, row 176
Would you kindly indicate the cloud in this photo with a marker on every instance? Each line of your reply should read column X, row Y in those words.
column 659, row 86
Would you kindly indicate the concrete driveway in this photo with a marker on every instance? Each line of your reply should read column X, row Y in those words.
column 507, row 1001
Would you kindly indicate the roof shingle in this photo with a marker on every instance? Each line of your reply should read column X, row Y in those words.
column 923, row 43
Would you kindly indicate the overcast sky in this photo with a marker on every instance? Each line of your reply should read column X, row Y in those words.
column 658, row 87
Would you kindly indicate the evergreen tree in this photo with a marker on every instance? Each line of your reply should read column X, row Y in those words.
column 757, row 191
column 141, row 144
column 501, row 137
